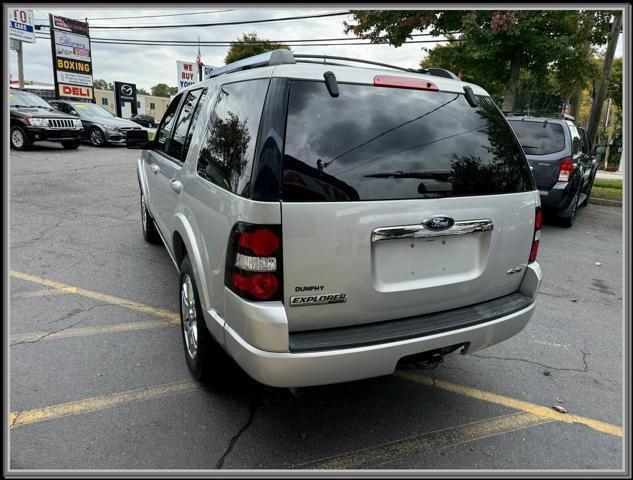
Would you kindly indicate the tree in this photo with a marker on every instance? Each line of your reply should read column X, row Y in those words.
column 163, row 90
column 101, row 84
column 142, row 91
column 495, row 48
column 248, row 45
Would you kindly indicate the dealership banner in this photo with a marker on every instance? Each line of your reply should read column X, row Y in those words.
column 21, row 25
column 72, row 57
column 188, row 73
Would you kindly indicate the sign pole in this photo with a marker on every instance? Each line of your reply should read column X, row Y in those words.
column 20, row 51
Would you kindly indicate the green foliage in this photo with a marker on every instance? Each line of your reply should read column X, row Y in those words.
column 248, row 45
column 616, row 79
column 163, row 90
column 553, row 46
column 142, row 91
column 101, row 84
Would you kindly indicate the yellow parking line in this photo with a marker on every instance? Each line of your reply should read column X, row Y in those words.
column 43, row 293
column 435, row 440
column 159, row 312
column 96, row 330
column 545, row 412
column 104, row 402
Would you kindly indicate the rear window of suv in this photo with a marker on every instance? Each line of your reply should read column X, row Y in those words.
column 539, row 138
column 377, row 143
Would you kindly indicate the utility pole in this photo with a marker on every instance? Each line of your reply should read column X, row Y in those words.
column 596, row 107
column 20, row 51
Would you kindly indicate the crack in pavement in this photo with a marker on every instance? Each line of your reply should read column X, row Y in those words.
column 255, row 404
column 77, row 311
column 45, row 335
column 585, row 369
column 44, row 232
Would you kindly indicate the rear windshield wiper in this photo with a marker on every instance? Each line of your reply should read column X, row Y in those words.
column 422, row 174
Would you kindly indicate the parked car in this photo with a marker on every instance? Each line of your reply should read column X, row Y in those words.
column 101, row 128
column 144, row 120
column 34, row 120
column 561, row 159
column 330, row 221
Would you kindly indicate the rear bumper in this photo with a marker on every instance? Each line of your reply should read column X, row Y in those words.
column 286, row 369
column 559, row 197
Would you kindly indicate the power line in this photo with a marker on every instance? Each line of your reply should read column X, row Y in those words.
column 148, row 16
column 250, row 42
column 217, row 24
column 224, row 45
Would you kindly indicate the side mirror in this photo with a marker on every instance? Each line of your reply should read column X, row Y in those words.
column 138, row 139
column 74, row 113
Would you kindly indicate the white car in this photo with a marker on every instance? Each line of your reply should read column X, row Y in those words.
column 330, row 220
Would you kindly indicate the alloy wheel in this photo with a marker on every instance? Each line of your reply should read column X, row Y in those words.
column 17, row 138
column 189, row 316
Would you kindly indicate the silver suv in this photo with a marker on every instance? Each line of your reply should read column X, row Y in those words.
column 330, row 220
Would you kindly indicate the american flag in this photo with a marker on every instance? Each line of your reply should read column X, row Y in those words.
column 198, row 56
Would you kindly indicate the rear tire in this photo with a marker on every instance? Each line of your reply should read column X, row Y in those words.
column 71, row 144
column 150, row 232
column 568, row 220
column 20, row 139
column 205, row 358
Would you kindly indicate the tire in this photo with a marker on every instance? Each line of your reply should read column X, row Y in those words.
column 150, row 232
column 71, row 144
column 568, row 220
column 201, row 350
column 96, row 137
column 20, row 139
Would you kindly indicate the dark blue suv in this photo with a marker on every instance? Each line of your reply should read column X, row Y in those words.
column 562, row 162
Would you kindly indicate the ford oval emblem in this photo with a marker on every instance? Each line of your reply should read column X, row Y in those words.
column 438, row 223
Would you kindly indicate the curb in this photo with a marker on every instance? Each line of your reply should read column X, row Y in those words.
column 605, row 202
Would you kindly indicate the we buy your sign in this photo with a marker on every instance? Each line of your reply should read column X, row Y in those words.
column 187, row 74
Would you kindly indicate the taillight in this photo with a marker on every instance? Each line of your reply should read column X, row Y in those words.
column 538, row 221
column 253, row 262
column 566, row 167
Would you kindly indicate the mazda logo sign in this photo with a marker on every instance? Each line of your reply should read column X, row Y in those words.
column 438, row 223
column 126, row 90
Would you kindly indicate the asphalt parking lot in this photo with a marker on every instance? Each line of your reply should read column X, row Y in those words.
column 98, row 378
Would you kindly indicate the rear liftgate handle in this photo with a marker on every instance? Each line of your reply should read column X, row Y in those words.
column 418, row 231
column 176, row 186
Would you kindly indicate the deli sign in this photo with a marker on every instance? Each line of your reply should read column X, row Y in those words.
column 72, row 58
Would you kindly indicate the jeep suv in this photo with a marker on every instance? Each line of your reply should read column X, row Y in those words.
column 328, row 221
column 560, row 155
column 33, row 120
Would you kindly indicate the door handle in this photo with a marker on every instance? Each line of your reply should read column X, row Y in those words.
column 176, row 186
column 155, row 168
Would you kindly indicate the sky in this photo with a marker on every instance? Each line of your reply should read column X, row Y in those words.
column 147, row 65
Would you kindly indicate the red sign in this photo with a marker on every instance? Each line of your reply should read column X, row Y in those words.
column 75, row 91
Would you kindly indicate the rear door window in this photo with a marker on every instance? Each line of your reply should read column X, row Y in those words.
column 226, row 153
column 376, row 143
column 539, row 138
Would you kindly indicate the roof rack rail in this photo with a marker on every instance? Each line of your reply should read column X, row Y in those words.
column 442, row 72
column 280, row 56
column 357, row 60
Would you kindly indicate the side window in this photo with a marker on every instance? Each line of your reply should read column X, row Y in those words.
column 226, row 154
column 577, row 144
column 175, row 146
column 194, row 121
column 166, row 125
